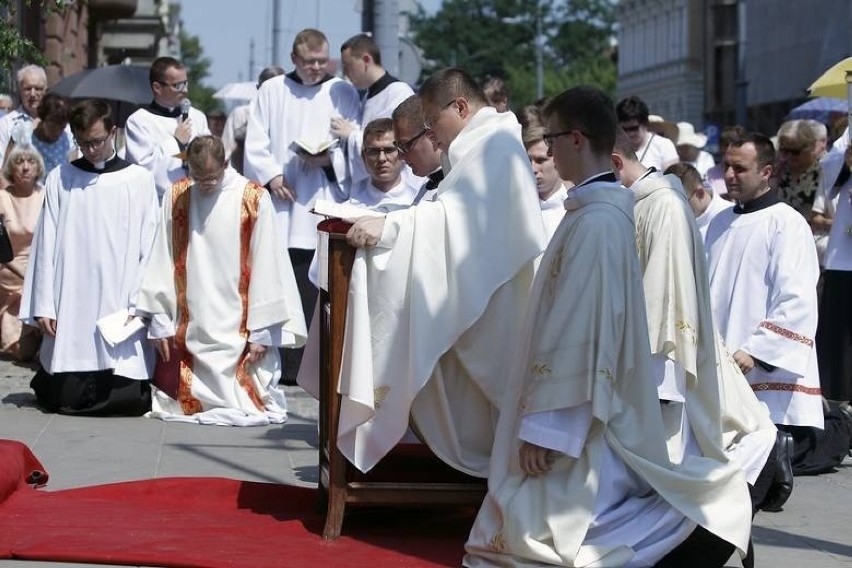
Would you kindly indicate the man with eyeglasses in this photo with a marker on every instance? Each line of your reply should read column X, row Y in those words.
column 443, row 285
column 416, row 147
column 580, row 474
column 88, row 253
column 652, row 149
column 385, row 188
column 159, row 132
column 290, row 112
column 362, row 65
column 222, row 298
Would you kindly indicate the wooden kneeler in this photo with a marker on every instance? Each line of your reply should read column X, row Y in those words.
column 410, row 474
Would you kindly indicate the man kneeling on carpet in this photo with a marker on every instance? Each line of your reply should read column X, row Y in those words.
column 222, row 297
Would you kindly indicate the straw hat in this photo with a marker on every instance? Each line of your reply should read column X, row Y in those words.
column 661, row 127
column 687, row 136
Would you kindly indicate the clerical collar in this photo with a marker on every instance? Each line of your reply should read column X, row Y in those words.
column 768, row 199
column 160, row 110
column 434, row 179
column 114, row 164
column 608, row 177
column 293, row 76
column 383, row 83
column 647, row 173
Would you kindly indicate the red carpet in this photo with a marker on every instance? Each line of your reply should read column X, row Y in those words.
column 209, row 523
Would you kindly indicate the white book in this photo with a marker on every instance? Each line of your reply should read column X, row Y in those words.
column 343, row 210
column 315, row 148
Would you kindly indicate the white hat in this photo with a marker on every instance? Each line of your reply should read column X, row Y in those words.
column 687, row 136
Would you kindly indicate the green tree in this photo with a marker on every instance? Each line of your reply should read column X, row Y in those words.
column 197, row 69
column 497, row 37
column 14, row 47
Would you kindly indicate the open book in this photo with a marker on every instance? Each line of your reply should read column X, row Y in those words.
column 343, row 210
column 314, row 148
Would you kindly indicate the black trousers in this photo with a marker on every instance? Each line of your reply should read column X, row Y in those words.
column 291, row 359
column 834, row 335
column 820, row 451
column 91, row 393
column 701, row 549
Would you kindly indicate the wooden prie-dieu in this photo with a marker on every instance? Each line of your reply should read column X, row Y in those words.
column 410, row 474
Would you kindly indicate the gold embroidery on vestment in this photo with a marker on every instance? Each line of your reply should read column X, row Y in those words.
column 379, row 396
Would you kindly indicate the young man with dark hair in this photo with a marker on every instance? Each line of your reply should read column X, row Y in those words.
column 415, row 145
column 703, row 200
column 653, row 150
column 89, row 250
column 580, row 473
column 362, row 65
column 158, row 132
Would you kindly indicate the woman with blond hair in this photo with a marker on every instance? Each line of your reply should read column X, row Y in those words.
column 20, row 204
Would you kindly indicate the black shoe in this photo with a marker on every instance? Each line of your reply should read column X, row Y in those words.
column 845, row 410
column 782, row 484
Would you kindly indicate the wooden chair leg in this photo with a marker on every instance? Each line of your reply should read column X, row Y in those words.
column 334, row 513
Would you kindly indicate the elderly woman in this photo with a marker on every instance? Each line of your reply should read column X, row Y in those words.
column 20, row 204
column 798, row 165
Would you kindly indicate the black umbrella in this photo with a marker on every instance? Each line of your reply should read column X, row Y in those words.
column 124, row 83
column 127, row 86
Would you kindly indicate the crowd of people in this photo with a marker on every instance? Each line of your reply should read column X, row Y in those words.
column 573, row 300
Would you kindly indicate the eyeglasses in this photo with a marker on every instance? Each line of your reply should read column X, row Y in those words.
column 406, row 146
column 374, row 152
column 633, row 128
column 178, row 86
column 549, row 138
column 431, row 120
column 92, row 145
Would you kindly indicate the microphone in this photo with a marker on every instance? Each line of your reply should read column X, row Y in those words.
column 185, row 105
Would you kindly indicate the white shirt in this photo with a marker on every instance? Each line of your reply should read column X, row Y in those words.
column 657, row 151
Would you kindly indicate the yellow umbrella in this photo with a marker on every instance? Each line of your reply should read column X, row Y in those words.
column 832, row 83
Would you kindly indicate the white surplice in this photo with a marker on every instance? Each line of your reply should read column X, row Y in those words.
column 368, row 195
column 717, row 205
column 237, row 286
column 432, row 308
column 285, row 110
column 763, row 276
column 709, row 399
column 88, row 254
column 151, row 143
column 620, row 501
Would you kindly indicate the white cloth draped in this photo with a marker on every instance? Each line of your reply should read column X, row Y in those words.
column 89, row 251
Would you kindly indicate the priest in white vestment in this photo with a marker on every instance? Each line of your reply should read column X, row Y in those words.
column 222, row 297
column 433, row 305
column 415, row 147
column 157, row 133
column 707, row 405
column 90, row 247
column 362, row 65
column 580, row 474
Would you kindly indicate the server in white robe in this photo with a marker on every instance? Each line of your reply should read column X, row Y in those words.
column 362, row 65
column 580, row 474
column 222, row 297
column 157, row 134
column 385, row 187
column 89, row 250
column 428, row 329
column 292, row 111
column 707, row 405
column 763, row 277
column 552, row 190
column 416, row 147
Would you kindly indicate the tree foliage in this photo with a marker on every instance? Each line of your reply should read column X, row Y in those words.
column 197, row 69
column 497, row 38
column 14, row 47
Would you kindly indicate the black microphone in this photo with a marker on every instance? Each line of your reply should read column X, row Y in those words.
column 185, row 105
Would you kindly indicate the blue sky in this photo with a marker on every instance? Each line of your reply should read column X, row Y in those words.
column 225, row 28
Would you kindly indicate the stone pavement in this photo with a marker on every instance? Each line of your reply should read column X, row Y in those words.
column 814, row 530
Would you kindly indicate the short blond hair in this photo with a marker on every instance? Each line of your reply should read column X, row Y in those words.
column 17, row 155
column 309, row 37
